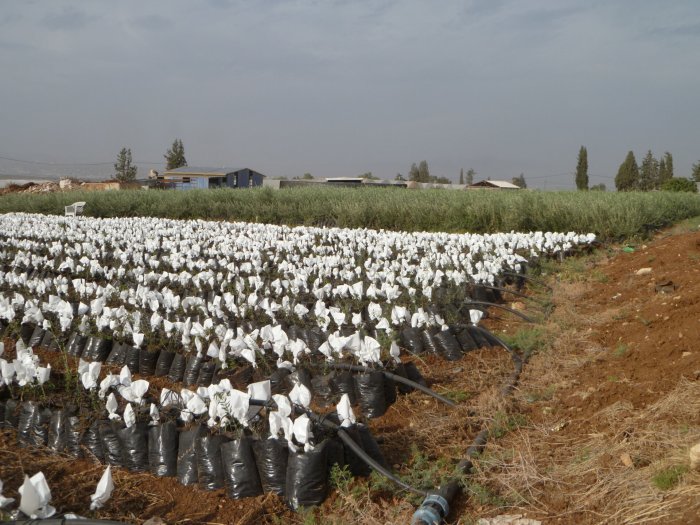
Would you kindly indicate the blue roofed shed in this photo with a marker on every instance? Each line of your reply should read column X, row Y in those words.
column 189, row 178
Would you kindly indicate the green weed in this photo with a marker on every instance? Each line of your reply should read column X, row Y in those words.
column 668, row 478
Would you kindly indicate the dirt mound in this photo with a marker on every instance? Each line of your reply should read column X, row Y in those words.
column 44, row 187
column 613, row 402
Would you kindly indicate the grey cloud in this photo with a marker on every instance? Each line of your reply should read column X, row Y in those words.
column 67, row 19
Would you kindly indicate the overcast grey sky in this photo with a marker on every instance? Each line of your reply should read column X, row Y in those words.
column 337, row 88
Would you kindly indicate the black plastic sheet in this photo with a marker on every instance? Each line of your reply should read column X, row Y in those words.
column 314, row 338
column 96, row 349
column 278, row 379
column 36, row 338
column 389, row 391
column 271, row 456
column 335, row 454
column 26, row 331
column 370, row 393
column 57, row 427
column 307, row 477
column 479, row 339
column 240, row 470
column 356, row 465
column 323, row 389
column 11, row 416
column 428, row 338
column 414, row 374
column 344, row 383
column 301, row 376
column 209, row 466
column 72, row 436
column 187, row 456
column 76, row 344
column 133, row 359
column 134, row 442
column 370, row 445
column 177, row 368
column 92, row 441
column 49, row 341
column 400, row 370
column 162, row 449
column 466, row 341
column 206, row 373
column 147, row 362
column 412, row 341
column 165, row 360
column 111, row 444
column 448, row 345
column 28, row 413
column 117, row 356
column 194, row 364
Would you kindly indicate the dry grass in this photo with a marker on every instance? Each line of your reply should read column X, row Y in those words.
column 629, row 466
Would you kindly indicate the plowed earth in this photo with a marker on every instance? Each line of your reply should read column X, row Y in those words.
column 620, row 374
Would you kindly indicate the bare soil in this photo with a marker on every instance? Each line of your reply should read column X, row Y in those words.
column 610, row 400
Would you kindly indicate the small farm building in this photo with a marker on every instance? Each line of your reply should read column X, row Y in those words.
column 189, row 178
column 494, row 185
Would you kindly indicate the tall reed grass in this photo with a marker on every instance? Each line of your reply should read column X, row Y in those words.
column 610, row 215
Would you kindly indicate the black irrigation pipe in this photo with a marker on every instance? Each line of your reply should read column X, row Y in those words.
column 496, row 305
column 436, row 505
column 397, row 378
column 62, row 521
column 528, row 278
column 351, row 444
column 513, row 292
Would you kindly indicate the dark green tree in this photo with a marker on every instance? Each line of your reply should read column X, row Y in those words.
column 470, row 176
column 423, row 172
column 399, row 177
column 582, row 169
column 125, row 170
column 680, row 184
column 695, row 174
column 461, row 177
column 598, row 187
column 665, row 168
column 413, row 173
column 440, row 180
column 648, row 173
column 627, row 177
column 368, row 175
column 175, row 156
column 519, row 181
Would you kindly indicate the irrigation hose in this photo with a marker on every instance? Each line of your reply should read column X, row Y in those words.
column 351, row 444
column 486, row 304
column 397, row 378
column 513, row 292
column 528, row 278
column 436, row 505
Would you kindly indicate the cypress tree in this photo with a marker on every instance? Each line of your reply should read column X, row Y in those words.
column 627, row 178
column 461, row 176
column 648, row 173
column 582, row 169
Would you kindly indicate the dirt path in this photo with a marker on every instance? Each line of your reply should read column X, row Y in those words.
column 614, row 404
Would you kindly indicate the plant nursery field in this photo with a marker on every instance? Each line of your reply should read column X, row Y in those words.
column 243, row 372
column 610, row 215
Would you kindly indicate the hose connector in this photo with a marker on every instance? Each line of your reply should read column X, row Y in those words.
column 432, row 511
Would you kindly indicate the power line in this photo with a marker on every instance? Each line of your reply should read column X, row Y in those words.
column 22, row 161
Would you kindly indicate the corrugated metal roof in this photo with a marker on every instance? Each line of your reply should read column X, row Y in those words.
column 192, row 170
column 496, row 184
